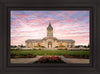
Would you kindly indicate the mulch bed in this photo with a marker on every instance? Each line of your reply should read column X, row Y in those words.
column 28, row 56
column 83, row 57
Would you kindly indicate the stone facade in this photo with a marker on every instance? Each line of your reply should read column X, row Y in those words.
column 49, row 41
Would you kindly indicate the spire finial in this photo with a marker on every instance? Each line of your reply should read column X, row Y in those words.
column 49, row 22
column 49, row 26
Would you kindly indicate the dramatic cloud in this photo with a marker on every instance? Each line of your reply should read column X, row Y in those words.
column 66, row 25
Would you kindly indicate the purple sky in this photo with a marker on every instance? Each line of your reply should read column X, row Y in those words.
column 66, row 25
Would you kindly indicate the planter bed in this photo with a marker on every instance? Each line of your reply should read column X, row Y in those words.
column 76, row 56
column 22, row 55
column 28, row 56
column 51, row 59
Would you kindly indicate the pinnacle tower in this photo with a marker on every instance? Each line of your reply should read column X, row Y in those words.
column 50, row 30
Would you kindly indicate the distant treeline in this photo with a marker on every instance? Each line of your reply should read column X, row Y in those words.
column 78, row 46
column 14, row 46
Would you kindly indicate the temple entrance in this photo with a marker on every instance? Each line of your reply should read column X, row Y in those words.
column 49, row 44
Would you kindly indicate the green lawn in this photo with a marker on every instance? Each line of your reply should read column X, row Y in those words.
column 51, row 52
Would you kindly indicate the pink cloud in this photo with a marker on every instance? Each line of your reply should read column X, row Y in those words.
column 70, row 28
column 22, row 16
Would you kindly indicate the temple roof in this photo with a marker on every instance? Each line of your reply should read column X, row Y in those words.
column 45, row 38
column 66, row 40
column 33, row 40
column 49, row 38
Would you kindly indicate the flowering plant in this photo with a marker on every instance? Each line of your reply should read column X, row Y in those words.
column 50, row 59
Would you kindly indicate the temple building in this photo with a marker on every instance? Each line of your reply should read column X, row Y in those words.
column 49, row 42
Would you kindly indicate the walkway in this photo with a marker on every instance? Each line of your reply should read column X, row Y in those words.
column 32, row 60
column 24, row 60
column 75, row 60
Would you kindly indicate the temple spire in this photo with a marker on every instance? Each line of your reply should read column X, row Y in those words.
column 49, row 30
column 49, row 22
column 50, row 26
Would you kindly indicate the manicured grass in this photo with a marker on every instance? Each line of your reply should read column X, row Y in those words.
column 52, row 52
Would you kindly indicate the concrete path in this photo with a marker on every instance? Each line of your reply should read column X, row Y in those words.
column 24, row 60
column 32, row 60
column 75, row 60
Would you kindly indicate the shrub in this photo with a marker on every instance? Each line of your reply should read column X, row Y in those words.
column 39, row 49
column 19, row 55
column 12, row 55
column 51, row 59
column 66, row 49
column 56, row 46
column 34, row 49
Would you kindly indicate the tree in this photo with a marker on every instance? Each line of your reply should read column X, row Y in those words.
column 88, row 45
column 22, row 46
